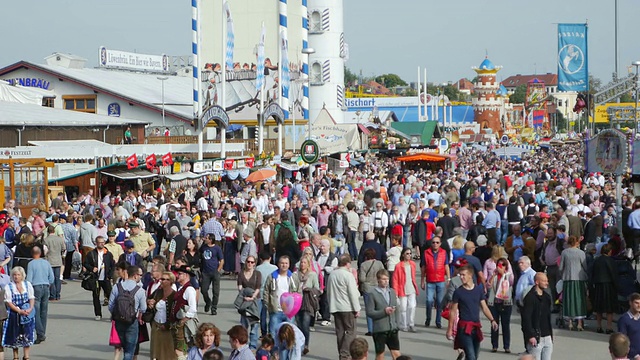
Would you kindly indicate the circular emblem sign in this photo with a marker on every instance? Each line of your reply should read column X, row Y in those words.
column 310, row 151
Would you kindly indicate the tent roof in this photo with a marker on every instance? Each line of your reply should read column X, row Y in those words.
column 425, row 129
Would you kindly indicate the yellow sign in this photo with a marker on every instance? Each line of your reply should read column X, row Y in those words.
column 601, row 111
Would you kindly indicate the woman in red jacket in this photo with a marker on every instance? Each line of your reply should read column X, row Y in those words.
column 404, row 284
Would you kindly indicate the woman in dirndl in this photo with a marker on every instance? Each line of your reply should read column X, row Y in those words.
column 20, row 328
column 603, row 290
column 573, row 267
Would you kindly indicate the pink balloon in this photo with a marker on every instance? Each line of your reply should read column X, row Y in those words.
column 290, row 304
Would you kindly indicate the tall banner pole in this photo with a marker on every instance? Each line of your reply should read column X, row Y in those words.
column 195, row 48
column 260, row 87
column 223, row 80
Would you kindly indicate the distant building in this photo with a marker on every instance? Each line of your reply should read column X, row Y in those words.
column 464, row 86
column 550, row 80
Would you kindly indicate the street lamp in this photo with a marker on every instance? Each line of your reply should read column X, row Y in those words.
column 308, row 51
column 162, row 79
column 635, row 112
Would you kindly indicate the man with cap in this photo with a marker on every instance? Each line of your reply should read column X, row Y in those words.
column 142, row 241
column 57, row 249
column 184, row 299
column 130, row 255
column 99, row 262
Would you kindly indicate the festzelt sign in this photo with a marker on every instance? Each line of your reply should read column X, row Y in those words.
column 217, row 114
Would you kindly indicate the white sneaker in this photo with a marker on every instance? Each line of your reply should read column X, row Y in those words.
column 312, row 329
column 98, row 318
column 325, row 323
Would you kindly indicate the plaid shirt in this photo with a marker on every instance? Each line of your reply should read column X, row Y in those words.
column 212, row 226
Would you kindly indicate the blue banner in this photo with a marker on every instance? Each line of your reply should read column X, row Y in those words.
column 573, row 69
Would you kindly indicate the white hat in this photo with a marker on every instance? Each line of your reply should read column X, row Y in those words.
column 481, row 240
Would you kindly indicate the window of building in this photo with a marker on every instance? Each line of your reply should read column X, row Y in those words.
column 48, row 102
column 316, row 74
column 315, row 25
column 84, row 103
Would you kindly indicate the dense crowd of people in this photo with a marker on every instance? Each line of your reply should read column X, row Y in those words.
column 536, row 236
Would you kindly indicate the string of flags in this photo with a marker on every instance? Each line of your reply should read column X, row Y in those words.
column 150, row 161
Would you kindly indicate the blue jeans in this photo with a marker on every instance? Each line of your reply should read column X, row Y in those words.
column 128, row 334
column 275, row 319
column 41, row 293
column 56, row 287
column 156, row 250
column 469, row 343
column 353, row 249
column 341, row 250
column 263, row 321
column 501, row 314
column 504, row 232
column 303, row 318
column 437, row 290
column 253, row 332
column 369, row 320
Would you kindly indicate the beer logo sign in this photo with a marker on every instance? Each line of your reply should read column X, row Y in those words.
column 310, row 151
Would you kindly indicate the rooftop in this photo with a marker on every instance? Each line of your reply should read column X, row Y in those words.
column 514, row 81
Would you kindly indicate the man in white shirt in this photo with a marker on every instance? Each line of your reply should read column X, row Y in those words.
column 380, row 223
column 186, row 297
column 202, row 204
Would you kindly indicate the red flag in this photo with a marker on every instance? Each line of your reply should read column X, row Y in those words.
column 132, row 162
column 228, row 164
column 151, row 161
column 249, row 162
column 167, row 159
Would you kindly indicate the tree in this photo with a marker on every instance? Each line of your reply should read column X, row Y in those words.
column 519, row 96
column 595, row 84
column 452, row 93
column 349, row 77
column 390, row 81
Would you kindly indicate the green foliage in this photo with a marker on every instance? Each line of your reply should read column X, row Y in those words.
column 349, row 77
column 390, row 80
column 519, row 95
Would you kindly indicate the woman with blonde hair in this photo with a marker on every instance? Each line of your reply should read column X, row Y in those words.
column 230, row 248
column 457, row 249
column 207, row 338
column 159, row 305
column 310, row 290
column 20, row 327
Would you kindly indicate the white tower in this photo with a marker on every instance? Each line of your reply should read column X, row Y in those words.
column 326, row 65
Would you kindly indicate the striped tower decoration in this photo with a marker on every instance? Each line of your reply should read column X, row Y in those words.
column 305, row 60
column 195, row 48
column 194, row 51
column 283, row 91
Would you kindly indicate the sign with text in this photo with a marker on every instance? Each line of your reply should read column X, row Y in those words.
column 310, row 151
column 133, row 61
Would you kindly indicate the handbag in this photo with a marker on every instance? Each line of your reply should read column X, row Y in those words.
column 445, row 312
column 503, row 290
column 148, row 315
column 89, row 282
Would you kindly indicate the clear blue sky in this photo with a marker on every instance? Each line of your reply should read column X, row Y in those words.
column 448, row 37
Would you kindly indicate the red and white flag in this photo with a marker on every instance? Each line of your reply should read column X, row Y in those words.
column 132, row 162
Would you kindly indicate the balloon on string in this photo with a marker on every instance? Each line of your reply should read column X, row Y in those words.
column 290, row 304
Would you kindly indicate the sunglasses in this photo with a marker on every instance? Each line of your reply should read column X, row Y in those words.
column 251, row 262
column 163, row 279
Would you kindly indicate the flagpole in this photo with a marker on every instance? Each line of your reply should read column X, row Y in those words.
column 195, row 27
column 282, row 67
column 260, row 87
column 419, row 87
column 223, row 98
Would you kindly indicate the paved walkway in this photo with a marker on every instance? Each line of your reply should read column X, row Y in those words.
column 74, row 334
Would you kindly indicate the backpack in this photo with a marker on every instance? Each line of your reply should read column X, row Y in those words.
column 125, row 307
